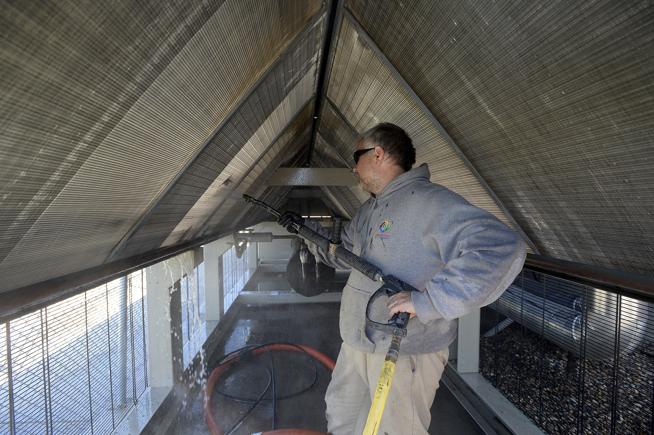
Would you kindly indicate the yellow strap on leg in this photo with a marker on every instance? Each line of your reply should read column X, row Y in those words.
column 379, row 400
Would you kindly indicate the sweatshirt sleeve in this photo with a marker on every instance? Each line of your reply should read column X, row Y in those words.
column 347, row 238
column 482, row 257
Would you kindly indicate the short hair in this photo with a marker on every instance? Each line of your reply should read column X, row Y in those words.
column 394, row 141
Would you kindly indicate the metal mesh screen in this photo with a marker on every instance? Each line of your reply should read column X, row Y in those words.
column 5, row 412
column 76, row 366
column 551, row 102
column 285, row 145
column 101, row 118
column 283, row 90
column 275, row 196
column 336, row 134
column 573, row 358
column 68, row 76
column 231, row 179
column 325, row 156
column 365, row 91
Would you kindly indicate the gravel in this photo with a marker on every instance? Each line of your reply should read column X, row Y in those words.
column 563, row 394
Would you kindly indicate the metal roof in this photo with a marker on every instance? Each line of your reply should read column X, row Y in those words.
column 127, row 130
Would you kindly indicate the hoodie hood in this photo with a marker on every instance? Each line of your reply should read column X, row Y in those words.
column 418, row 173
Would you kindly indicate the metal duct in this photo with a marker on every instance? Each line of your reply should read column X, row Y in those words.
column 552, row 104
column 588, row 328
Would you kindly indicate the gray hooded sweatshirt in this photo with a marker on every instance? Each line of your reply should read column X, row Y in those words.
column 459, row 256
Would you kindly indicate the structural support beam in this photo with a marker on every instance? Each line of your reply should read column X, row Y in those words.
column 628, row 284
column 213, row 278
column 361, row 31
column 312, row 177
column 467, row 359
column 160, row 354
column 327, row 57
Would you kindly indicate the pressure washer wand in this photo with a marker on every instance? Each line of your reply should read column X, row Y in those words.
column 390, row 285
column 337, row 250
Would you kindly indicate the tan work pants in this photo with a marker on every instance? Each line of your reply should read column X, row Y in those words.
column 350, row 392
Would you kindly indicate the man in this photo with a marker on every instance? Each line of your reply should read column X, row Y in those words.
column 460, row 257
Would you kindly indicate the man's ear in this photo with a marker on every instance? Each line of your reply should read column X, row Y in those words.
column 379, row 153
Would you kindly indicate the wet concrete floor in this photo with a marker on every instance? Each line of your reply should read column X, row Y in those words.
column 312, row 324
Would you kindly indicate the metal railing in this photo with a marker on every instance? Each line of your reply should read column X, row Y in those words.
column 572, row 357
column 76, row 366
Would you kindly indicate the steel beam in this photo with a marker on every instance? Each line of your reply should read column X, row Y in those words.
column 326, row 61
column 615, row 281
column 361, row 31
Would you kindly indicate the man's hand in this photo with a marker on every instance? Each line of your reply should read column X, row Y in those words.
column 288, row 218
column 401, row 303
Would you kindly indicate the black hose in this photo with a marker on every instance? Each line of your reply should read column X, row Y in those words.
column 249, row 351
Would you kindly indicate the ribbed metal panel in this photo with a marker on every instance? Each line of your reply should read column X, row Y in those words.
column 551, row 102
column 338, row 134
column 232, row 208
column 365, row 92
column 197, row 192
column 77, row 366
column 275, row 196
column 216, row 201
column 103, row 106
column 345, row 198
column 68, row 75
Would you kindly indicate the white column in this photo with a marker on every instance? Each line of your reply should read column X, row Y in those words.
column 212, row 277
column 212, row 284
column 160, row 358
column 251, row 252
column 468, row 343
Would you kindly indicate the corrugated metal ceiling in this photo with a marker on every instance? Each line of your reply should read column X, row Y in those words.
column 552, row 102
column 128, row 128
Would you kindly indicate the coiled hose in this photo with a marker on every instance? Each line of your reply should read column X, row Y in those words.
column 234, row 357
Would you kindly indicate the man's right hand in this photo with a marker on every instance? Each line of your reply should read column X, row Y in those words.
column 288, row 219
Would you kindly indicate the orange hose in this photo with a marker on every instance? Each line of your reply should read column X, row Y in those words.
column 220, row 369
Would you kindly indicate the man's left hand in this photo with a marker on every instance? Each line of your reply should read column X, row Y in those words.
column 401, row 303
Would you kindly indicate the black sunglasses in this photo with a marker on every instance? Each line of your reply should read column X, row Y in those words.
column 358, row 153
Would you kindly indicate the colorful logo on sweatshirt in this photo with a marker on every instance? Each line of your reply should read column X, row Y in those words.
column 386, row 226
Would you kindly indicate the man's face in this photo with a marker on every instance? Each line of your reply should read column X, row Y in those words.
column 364, row 169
